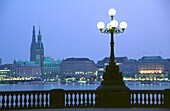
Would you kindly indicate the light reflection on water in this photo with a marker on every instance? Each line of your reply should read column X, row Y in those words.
column 48, row 86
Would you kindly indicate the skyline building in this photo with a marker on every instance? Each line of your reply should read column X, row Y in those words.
column 152, row 65
column 50, row 68
column 78, row 67
column 25, row 69
column 37, row 48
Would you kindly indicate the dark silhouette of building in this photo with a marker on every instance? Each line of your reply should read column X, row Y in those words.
column 37, row 48
column 78, row 67
column 103, row 63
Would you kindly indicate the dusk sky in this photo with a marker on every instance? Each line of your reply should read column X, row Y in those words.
column 69, row 28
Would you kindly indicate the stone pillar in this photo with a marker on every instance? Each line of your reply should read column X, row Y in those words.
column 113, row 99
column 167, row 98
column 57, row 98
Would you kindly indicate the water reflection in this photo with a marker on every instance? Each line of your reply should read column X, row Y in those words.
column 48, row 86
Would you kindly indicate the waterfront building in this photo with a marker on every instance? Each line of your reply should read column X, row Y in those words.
column 153, row 67
column 101, row 65
column 168, row 68
column 79, row 68
column 25, row 69
column 5, row 70
column 37, row 48
column 51, row 68
column 129, row 68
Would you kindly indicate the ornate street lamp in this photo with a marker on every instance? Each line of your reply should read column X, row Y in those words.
column 112, row 78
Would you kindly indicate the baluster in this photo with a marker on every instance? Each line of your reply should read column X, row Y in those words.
column 132, row 99
column 153, row 99
column 20, row 100
column 79, row 99
column 91, row 100
column 87, row 98
column 46, row 99
column 33, row 100
column 25, row 100
column 157, row 99
column 29, row 100
column 66, row 94
column 95, row 99
column 12, row 100
column 42, row 100
column 149, row 99
column 83, row 99
column 71, row 99
column 137, row 99
column 141, row 98
column 7, row 101
column 161, row 99
column 145, row 100
column 38, row 100
column 3, row 100
column 16, row 101
column 75, row 100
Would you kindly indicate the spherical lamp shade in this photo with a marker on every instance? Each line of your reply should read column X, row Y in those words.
column 123, row 25
column 109, row 26
column 112, row 12
column 100, row 25
column 114, row 23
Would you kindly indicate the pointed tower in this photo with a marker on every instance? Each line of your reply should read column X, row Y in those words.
column 39, row 49
column 33, row 46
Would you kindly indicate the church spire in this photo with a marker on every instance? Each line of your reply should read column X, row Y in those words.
column 39, row 35
column 33, row 45
column 33, row 35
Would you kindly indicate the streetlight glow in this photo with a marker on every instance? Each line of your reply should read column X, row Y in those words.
column 114, row 23
column 109, row 26
column 100, row 25
column 112, row 12
column 123, row 25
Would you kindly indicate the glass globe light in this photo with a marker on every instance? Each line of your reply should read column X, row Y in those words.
column 100, row 25
column 123, row 25
column 112, row 12
column 114, row 23
column 109, row 26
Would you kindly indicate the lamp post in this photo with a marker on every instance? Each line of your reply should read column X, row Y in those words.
column 112, row 78
column 112, row 29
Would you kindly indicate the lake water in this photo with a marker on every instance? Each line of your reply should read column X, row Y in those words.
column 49, row 86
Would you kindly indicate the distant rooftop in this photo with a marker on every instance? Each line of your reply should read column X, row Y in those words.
column 25, row 63
column 77, row 59
column 50, row 60
column 152, row 58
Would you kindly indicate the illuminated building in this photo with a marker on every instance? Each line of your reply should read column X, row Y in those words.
column 129, row 68
column 5, row 70
column 50, row 68
column 78, row 67
column 25, row 69
column 37, row 48
column 153, row 66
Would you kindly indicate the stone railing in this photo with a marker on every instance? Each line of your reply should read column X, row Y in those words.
column 150, row 98
column 58, row 98
column 24, row 99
